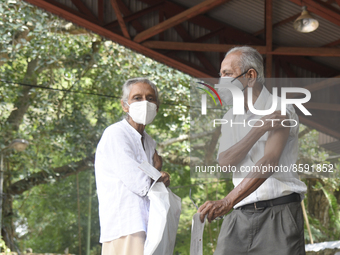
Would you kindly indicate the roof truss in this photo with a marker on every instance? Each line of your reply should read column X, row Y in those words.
column 200, row 55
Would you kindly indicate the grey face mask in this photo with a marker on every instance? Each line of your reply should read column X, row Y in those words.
column 225, row 85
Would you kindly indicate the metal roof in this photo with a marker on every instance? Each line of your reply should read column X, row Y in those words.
column 193, row 36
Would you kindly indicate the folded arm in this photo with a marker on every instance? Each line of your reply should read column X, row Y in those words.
column 238, row 151
column 273, row 149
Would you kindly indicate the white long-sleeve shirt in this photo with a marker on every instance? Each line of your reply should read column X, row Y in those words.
column 121, row 185
column 280, row 183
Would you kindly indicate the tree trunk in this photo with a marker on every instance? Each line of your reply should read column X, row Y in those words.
column 23, row 102
column 318, row 205
column 8, row 228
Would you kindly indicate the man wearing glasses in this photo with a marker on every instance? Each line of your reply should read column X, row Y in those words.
column 267, row 216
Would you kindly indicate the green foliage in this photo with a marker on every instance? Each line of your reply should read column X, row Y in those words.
column 202, row 191
column 3, row 247
column 311, row 153
column 333, row 211
column 81, row 75
column 64, row 121
column 51, row 209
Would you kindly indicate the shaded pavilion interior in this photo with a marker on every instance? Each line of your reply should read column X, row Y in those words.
column 193, row 36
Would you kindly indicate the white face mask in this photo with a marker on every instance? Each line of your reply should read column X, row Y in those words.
column 142, row 112
column 225, row 92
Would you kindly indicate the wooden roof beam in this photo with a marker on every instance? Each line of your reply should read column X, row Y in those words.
column 269, row 37
column 83, row 9
column 315, row 124
column 187, row 38
column 120, row 18
column 211, row 24
column 161, row 18
column 179, row 18
column 136, row 15
column 101, row 11
column 70, row 10
column 216, row 32
column 320, row 8
column 307, row 51
column 212, row 74
column 323, row 84
column 327, row 83
column 310, row 65
column 200, row 20
column 203, row 38
column 117, row 38
column 332, row 44
column 126, row 11
column 247, row 39
column 322, row 106
column 205, row 62
column 285, row 51
column 325, row 7
column 280, row 23
column 188, row 46
column 288, row 70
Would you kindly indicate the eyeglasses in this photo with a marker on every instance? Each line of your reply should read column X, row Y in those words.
column 217, row 218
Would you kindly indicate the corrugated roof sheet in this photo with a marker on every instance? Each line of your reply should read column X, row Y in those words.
column 232, row 13
column 245, row 15
column 328, row 61
column 249, row 16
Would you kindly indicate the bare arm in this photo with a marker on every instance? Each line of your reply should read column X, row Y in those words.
column 237, row 152
column 273, row 149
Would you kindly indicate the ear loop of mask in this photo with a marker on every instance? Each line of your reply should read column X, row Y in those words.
column 240, row 76
column 243, row 74
column 128, row 114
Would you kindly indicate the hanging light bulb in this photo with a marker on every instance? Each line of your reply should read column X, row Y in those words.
column 305, row 23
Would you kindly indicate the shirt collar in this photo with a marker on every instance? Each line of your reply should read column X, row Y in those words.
column 261, row 101
column 133, row 130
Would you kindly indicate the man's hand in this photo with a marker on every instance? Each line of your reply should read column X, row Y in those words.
column 157, row 161
column 273, row 121
column 214, row 209
column 165, row 178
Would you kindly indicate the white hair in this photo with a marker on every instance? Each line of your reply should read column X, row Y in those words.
column 127, row 88
column 250, row 58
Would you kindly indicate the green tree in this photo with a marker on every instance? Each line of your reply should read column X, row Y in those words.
column 60, row 88
column 323, row 196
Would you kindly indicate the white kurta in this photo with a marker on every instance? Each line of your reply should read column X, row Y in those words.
column 121, row 185
column 280, row 183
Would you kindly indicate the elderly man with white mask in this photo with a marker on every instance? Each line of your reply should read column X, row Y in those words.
column 121, row 185
column 267, row 216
